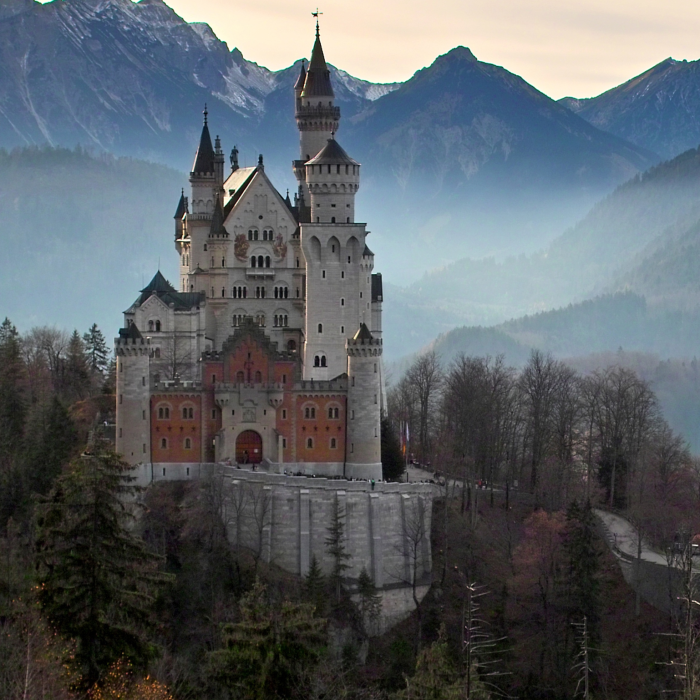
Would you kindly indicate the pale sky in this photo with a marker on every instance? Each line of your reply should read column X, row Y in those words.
column 562, row 47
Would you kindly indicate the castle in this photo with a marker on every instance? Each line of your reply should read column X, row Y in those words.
column 270, row 351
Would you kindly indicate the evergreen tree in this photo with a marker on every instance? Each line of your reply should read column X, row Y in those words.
column 50, row 445
column 393, row 464
column 315, row 587
column 269, row 653
column 77, row 373
column 370, row 602
column 583, row 585
column 96, row 350
column 97, row 580
column 335, row 546
column 109, row 385
column 12, row 407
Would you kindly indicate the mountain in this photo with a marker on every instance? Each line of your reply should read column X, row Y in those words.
column 464, row 158
column 643, row 237
column 79, row 256
column 656, row 110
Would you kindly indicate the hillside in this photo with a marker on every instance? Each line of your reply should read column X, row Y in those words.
column 76, row 255
column 630, row 240
column 655, row 110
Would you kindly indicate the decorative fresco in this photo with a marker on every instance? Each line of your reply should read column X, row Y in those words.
column 240, row 247
column 279, row 247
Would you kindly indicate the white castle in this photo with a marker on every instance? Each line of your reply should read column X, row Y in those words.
column 270, row 351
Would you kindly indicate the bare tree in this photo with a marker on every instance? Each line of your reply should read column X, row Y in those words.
column 260, row 498
column 425, row 378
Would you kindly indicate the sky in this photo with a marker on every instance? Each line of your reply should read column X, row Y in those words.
column 578, row 48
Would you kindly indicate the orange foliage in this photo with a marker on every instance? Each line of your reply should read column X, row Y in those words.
column 120, row 684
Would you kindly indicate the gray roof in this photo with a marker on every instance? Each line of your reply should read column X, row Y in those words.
column 204, row 160
column 363, row 333
column 131, row 332
column 332, row 153
column 318, row 77
column 181, row 301
column 217, row 220
column 299, row 85
column 181, row 206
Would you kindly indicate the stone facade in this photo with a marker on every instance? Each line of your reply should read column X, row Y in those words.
column 269, row 349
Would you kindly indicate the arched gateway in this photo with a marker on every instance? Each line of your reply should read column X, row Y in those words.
column 249, row 448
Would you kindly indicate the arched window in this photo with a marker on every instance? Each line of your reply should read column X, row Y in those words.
column 188, row 444
column 291, row 346
column 253, row 260
column 310, row 443
column 164, row 443
column 258, row 377
column 268, row 261
column 261, row 261
column 334, row 444
column 157, row 353
column 240, row 377
column 332, row 219
column 223, row 292
column 317, row 361
column 184, row 413
column 310, row 412
column 323, row 361
column 150, row 326
column 223, row 262
column 158, row 326
column 320, row 328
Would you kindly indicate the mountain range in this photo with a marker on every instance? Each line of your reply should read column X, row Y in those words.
column 464, row 151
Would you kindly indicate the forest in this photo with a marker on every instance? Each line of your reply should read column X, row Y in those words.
column 108, row 591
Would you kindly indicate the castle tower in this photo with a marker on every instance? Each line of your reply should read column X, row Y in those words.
column 363, row 451
column 316, row 115
column 133, row 395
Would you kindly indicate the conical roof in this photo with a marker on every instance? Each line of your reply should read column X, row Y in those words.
column 181, row 207
column 217, row 219
column 131, row 332
column 204, row 160
column 332, row 153
column 318, row 77
column 363, row 333
column 299, row 85
column 158, row 284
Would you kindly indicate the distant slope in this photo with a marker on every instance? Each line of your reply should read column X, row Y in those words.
column 77, row 255
column 657, row 110
column 629, row 240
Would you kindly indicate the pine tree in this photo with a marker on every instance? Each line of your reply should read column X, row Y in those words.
column 109, row 386
column 583, row 567
column 97, row 580
column 12, row 406
column 269, row 653
column 96, row 351
column 77, row 373
column 370, row 602
column 393, row 465
column 51, row 443
column 315, row 587
column 335, row 546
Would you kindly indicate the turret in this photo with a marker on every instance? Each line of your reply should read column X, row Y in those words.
column 205, row 177
column 219, row 163
column 316, row 114
column 332, row 178
column 364, row 454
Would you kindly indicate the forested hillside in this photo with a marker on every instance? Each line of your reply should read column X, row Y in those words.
column 629, row 240
column 156, row 600
column 83, row 233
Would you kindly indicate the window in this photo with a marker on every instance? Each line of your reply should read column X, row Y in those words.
column 188, row 471
column 253, row 234
column 223, row 262
column 342, row 274
column 320, row 328
column 333, row 412
column 284, row 379
column 163, row 471
column 213, row 414
column 258, row 377
column 253, row 261
column 375, row 398
column 212, row 261
column 291, row 346
column 268, row 261
column 309, row 443
column 342, row 302
column 164, row 446
column 188, row 444
column 375, row 367
column 317, row 361
column 151, row 326
column 205, row 247
column 310, row 412
column 284, row 414
column 323, row 361
column 352, row 415
column 240, row 377
column 349, row 258
column 334, row 444
column 333, row 219
column 223, row 292
column 163, row 412
column 342, row 330
column 260, row 261
column 284, row 443
column 158, row 326
column 323, row 274
column 213, row 379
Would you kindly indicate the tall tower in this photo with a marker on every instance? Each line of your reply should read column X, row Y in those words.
column 316, row 114
column 364, row 453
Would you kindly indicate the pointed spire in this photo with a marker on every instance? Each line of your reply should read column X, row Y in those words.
column 204, row 160
column 363, row 333
column 157, row 284
column 318, row 77
column 299, row 85
column 217, row 219
column 181, row 207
